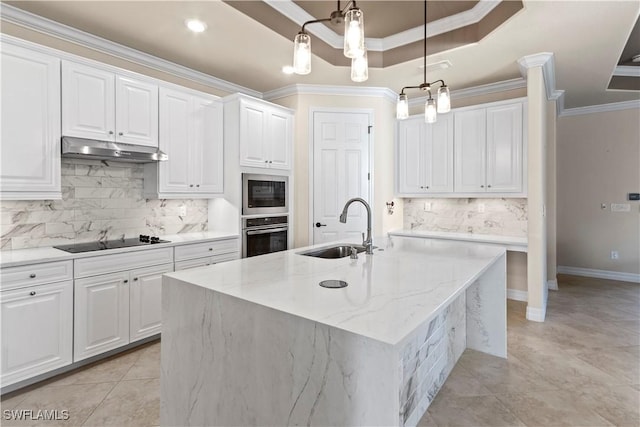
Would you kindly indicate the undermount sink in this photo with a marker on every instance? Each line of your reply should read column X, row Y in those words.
column 332, row 252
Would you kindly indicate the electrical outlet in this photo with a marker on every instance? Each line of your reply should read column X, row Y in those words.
column 427, row 206
column 615, row 255
column 183, row 211
column 481, row 207
column 620, row 207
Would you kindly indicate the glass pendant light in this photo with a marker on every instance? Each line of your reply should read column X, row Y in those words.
column 354, row 33
column 430, row 113
column 402, row 107
column 302, row 54
column 360, row 68
column 444, row 99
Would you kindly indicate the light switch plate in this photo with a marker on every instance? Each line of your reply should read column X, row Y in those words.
column 481, row 207
column 427, row 206
column 620, row 207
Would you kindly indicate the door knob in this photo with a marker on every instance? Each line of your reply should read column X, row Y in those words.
column 320, row 225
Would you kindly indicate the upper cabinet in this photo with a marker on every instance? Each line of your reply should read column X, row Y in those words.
column 30, row 135
column 476, row 151
column 98, row 104
column 264, row 130
column 489, row 149
column 191, row 135
column 425, row 156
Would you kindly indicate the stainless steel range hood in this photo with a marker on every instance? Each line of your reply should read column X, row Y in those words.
column 80, row 148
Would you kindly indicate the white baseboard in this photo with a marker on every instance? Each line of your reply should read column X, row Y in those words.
column 517, row 295
column 536, row 314
column 600, row 274
column 552, row 285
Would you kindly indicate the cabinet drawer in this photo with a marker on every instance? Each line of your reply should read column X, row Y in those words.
column 200, row 250
column 202, row 262
column 35, row 274
column 85, row 267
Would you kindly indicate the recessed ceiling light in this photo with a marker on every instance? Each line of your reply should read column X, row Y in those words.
column 195, row 25
column 287, row 69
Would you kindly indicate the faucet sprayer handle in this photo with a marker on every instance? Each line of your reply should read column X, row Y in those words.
column 354, row 253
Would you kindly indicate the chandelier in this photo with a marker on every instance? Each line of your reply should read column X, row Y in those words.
column 431, row 107
column 354, row 46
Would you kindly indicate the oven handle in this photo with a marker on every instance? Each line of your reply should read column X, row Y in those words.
column 265, row 231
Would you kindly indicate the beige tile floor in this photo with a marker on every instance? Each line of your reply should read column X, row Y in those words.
column 579, row 368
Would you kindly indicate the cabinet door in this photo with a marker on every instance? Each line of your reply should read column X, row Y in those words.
column 37, row 330
column 504, row 148
column 253, row 134
column 101, row 314
column 175, row 173
column 410, row 165
column 438, row 155
column 88, row 102
column 136, row 112
column 146, row 303
column 280, row 139
column 30, row 131
column 207, row 159
column 470, row 151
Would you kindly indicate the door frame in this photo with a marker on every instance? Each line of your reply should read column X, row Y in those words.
column 370, row 112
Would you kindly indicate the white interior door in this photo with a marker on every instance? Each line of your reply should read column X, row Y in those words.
column 340, row 172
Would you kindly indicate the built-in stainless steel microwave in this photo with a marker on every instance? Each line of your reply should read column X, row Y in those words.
column 264, row 194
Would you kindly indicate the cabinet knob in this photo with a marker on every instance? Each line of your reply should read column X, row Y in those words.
column 135, row 279
column 110, row 132
column 32, row 275
column 266, row 161
column 32, row 293
column 482, row 186
column 210, row 249
column 125, row 281
column 190, row 185
column 488, row 186
column 198, row 185
column 427, row 187
column 120, row 133
column 270, row 161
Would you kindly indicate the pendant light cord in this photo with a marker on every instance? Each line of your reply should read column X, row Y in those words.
column 424, row 44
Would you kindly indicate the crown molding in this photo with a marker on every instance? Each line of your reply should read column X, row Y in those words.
column 472, row 16
column 55, row 29
column 486, row 89
column 627, row 71
column 602, row 108
column 305, row 89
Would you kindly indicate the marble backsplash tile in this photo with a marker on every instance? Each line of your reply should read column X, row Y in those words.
column 505, row 217
column 100, row 201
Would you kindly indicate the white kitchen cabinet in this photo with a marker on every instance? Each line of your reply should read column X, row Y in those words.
column 99, row 104
column 145, row 299
column 425, row 156
column 37, row 330
column 30, row 131
column 206, row 253
column 192, row 137
column 101, row 314
column 504, row 148
column 489, row 149
column 264, row 131
column 470, row 151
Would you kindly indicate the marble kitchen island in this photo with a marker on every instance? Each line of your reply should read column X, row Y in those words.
column 258, row 342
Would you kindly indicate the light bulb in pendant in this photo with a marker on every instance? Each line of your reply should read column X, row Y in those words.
column 444, row 99
column 430, row 113
column 402, row 107
column 354, row 33
column 360, row 68
column 302, row 54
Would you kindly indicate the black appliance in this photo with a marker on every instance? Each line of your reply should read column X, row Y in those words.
column 143, row 240
column 264, row 194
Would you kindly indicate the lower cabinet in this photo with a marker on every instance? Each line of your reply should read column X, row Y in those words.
column 112, row 310
column 37, row 330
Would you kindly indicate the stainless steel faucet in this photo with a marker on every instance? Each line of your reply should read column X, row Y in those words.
column 368, row 242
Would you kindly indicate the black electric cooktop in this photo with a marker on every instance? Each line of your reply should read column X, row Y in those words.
column 143, row 240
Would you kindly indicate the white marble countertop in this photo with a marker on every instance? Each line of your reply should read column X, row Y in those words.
column 510, row 243
column 390, row 293
column 14, row 258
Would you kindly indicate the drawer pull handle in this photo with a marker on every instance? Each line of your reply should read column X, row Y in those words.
column 32, row 293
column 32, row 275
column 135, row 279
